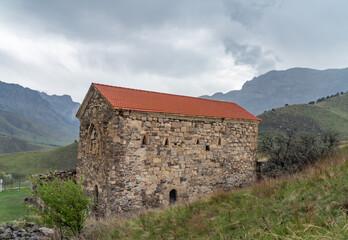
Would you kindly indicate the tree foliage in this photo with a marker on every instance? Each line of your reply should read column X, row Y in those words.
column 289, row 152
column 66, row 206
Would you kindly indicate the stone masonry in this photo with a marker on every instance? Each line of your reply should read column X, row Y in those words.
column 134, row 160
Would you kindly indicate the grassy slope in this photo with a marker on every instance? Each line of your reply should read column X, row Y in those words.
column 331, row 114
column 10, row 145
column 309, row 205
column 12, row 206
column 28, row 163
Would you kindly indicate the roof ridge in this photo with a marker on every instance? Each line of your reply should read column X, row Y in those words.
column 171, row 94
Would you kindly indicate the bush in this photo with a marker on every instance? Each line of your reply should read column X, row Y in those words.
column 66, row 206
column 289, row 152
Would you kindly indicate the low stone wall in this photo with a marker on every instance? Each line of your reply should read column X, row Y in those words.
column 61, row 175
column 28, row 231
column 65, row 174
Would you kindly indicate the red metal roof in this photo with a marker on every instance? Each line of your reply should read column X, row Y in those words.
column 146, row 101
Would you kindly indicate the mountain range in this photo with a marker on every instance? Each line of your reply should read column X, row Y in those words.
column 31, row 120
column 293, row 86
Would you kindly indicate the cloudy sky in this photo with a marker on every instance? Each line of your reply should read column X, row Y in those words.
column 188, row 47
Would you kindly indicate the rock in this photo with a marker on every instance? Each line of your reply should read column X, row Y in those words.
column 29, row 225
column 15, row 227
column 8, row 225
column 47, row 231
column 6, row 235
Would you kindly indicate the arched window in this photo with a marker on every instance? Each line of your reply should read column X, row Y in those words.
column 146, row 140
column 93, row 143
column 172, row 196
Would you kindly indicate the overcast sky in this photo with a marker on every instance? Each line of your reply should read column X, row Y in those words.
column 188, row 47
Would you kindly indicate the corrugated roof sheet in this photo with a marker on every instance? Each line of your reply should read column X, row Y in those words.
column 146, row 101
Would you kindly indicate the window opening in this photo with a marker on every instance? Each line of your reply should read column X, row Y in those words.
column 93, row 144
column 96, row 197
column 172, row 196
column 197, row 141
column 145, row 140
column 166, row 142
column 207, row 148
column 219, row 141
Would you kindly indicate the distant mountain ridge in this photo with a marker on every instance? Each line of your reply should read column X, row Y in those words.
column 36, row 117
column 64, row 106
column 293, row 86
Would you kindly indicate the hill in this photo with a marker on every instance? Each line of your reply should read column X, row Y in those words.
column 11, row 144
column 36, row 117
column 308, row 205
column 293, row 86
column 331, row 114
column 63, row 158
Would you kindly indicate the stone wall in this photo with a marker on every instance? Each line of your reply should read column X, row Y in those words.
column 60, row 174
column 132, row 160
column 28, row 230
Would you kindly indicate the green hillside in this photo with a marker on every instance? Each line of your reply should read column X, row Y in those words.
column 331, row 114
column 10, row 145
column 63, row 158
column 309, row 205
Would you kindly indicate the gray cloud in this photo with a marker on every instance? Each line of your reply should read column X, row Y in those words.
column 188, row 47
column 250, row 55
column 111, row 20
column 248, row 12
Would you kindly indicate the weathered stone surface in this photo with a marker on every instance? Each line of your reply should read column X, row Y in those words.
column 132, row 160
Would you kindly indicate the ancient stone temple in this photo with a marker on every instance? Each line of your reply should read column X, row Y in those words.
column 141, row 149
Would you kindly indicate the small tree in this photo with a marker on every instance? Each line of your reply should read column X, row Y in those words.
column 289, row 152
column 66, row 206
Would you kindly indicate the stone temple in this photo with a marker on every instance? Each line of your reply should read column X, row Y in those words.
column 141, row 149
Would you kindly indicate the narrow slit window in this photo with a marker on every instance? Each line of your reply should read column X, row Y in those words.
column 166, row 142
column 96, row 198
column 197, row 141
column 220, row 141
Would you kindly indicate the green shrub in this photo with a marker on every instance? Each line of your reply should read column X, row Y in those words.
column 66, row 205
column 289, row 152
